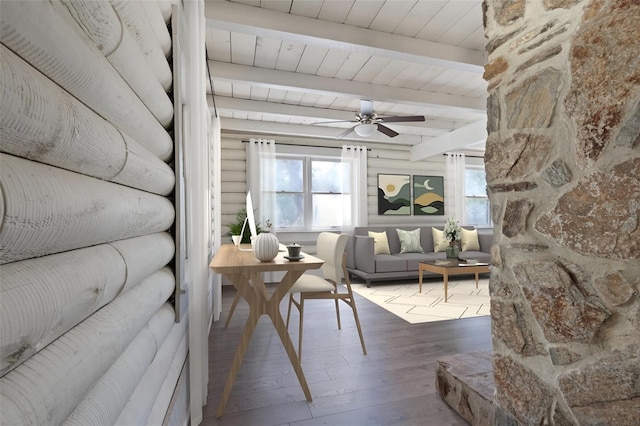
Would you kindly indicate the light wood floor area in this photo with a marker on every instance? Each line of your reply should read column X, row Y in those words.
column 393, row 385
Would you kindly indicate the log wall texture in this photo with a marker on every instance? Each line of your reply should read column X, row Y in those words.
column 87, row 323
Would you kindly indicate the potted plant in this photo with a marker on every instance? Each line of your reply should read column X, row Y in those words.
column 235, row 228
column 452, row 234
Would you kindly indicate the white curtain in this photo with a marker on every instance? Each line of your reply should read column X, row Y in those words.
column 354, row 187
column 261, row 179
column 455, row 185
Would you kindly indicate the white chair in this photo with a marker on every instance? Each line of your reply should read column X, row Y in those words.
column 330, row 248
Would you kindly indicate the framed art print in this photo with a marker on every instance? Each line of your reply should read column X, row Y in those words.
column 394, row 195
column 428, row 195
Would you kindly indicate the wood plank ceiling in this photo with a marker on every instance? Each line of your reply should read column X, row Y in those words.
column 278, row 67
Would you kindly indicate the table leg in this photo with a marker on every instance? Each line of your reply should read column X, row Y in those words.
column 273, row 310
column 420, row 271
column 446, row 283
column 476, row 280
column 281, row 328
column 252, row 321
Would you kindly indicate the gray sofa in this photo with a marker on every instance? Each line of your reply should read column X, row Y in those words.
column 364, row 264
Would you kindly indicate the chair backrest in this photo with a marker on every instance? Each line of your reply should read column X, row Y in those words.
column 330, row 248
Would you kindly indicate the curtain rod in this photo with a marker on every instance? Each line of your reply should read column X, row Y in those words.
column 297, row 144
column 470, row 156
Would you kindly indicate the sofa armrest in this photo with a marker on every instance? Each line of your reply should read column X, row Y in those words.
column 350, row 252
column 364, row 254
column 486, row 241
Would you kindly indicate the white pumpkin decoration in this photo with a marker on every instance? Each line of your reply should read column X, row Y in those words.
column 265, row 247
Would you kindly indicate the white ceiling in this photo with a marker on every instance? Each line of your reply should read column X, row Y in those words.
column 277, row 66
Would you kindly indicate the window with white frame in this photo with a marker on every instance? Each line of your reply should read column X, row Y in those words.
column 477, row 209
column 308, row 192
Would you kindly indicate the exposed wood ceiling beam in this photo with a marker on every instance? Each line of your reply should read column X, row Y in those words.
column 299, row 29
column 271, row 128
column 456, row 139
column 286, row 80
column 225, row 103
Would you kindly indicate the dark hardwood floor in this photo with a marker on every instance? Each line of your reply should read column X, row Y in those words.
column 393, row 385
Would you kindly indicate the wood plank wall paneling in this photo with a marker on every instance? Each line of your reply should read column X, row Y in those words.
column 85, row 286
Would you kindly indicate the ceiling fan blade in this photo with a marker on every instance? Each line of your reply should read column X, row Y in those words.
column 387, row 131
column 346, row 132
column 334, row 121
column 397, row 119
column 366, row 107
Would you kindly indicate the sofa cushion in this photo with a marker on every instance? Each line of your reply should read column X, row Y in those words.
column 413, row 259
column 380, row 242
column 390, row 263
column 480, row 256
column 440, row 243
column 469, row 240
column 410, row 241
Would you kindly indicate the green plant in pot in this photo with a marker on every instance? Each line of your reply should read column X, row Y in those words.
column 235, row 228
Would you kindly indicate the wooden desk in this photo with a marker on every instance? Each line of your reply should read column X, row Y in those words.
column 452, row 267
column 244, row 271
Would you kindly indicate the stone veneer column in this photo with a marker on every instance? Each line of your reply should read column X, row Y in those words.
column 563, row 172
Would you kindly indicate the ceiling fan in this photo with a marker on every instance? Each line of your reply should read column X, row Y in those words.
column 368, row 122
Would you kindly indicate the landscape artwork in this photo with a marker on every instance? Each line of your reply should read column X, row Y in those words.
column 428, row 195
column 394, row 195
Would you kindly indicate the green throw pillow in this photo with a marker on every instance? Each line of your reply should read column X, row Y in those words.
column 410, row 241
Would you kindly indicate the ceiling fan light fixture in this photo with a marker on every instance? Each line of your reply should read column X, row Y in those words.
column 366, row 130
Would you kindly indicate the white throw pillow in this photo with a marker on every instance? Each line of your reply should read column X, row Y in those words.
column 380, row 242
column 410, row 241
column 439, row 242
column 469, row 240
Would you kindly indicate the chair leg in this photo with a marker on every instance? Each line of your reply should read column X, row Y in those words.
column 338, row 313
column 233, row 308
column 300, row 328
column 289, row 310
column 355, row 316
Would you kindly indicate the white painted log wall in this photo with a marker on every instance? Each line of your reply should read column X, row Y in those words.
column 42, row 122
column 45, row 297
column 36, row 32
column 141, row 402
column 136, row 19
column 48, row 386
column 68, row 211
column 159, row 409
column 87, row 123
column 102, row 25
column 108, row 397
column 380, row 159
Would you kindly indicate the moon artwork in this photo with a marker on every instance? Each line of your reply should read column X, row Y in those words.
column 428, row 195
column 394, row 194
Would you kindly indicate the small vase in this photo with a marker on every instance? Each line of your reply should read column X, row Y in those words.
column 265, row 247
column 452, row 250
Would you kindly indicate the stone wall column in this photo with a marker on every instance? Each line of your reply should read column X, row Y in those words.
column 563, row 174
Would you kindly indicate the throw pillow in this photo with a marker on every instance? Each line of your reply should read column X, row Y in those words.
column 380, row 242
column 410, row 241
column 439, row 241
column 469, row 240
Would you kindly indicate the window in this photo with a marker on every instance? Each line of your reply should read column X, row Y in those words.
column 477, row 211
column 308, row 192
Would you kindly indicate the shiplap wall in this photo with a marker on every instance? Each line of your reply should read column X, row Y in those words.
column 88, row 331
